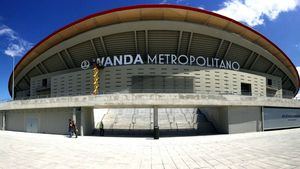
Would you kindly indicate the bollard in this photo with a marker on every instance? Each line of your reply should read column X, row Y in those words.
column 156, row 132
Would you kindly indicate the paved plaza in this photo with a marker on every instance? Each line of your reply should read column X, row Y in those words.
column 273, row 149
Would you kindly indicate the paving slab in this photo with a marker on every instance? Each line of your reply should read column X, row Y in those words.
column 272, row 149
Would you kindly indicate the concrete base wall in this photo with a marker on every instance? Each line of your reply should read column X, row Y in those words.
column 218, row 116
column 87, row 121
column 54, row 121
column 15, row 120
column 1, row 120
column 244, row 119
column 228, row 120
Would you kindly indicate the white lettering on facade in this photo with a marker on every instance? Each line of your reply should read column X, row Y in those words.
column 164, row 59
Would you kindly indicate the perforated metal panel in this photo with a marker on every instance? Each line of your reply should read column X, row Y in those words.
column 238, row 53
column 119, row 44
column 81, row 52
column 163, row 41
column 99, row 46
column 203, row 45
column 54, row 64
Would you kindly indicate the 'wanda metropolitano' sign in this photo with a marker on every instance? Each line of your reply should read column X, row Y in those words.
column 169, row 59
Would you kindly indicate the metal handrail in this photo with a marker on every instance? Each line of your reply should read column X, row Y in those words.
column 163, row 91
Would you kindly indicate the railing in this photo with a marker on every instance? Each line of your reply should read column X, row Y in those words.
column 163, row 91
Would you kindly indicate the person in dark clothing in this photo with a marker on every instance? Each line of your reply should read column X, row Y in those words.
column 101, row 129
column 70, row 128
column 74, row 128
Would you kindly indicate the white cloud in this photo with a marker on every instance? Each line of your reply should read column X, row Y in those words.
column 164, row 2
column 173, row 1
column 11, row 44
column 254, row 12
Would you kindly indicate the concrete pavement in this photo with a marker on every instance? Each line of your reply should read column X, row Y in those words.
column 273, row 149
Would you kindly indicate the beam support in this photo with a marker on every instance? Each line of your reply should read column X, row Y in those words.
column 253, row 63
column 39, row 69
column 27, row 80
column 219, row 48
column 44, row 68
column 285, row 78
column 227, row 51
column 103, row 45
column 179, row 42
column 94, row 48
column 274, row 70
column 70, row 58
column 189, row 44
column 135, row 42
column 269, row 70
column 147, row 43
column 248, row 58
column 63, row 61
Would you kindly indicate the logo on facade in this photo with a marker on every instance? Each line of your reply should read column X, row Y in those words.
column 169, row 59
column 85, row 64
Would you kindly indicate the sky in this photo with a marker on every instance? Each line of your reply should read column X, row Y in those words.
column 24, row 23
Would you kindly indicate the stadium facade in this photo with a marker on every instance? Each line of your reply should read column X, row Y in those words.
column 142, row 67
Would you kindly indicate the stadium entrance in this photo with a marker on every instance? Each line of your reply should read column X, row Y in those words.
column 142, row 121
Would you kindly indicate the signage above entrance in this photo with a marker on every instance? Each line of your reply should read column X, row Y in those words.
column 161, row 59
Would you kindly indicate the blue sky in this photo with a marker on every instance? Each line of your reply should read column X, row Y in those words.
column 24, row 23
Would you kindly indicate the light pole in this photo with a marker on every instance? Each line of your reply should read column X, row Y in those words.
column 13, row 79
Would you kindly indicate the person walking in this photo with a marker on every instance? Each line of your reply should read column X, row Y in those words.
column 74, row 128
column 101, row 129
column 70, row 128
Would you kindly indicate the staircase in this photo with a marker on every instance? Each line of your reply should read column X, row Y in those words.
column 204, row 126
column 172, row 121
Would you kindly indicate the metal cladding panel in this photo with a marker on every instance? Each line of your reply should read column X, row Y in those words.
column 185, row 37
column 279, row 73
column 223, row 49
column 119, row 44
column 203, row 45
column 275, row 118
column 81, row 52
column 163, row 41
column 141, row 42
column 54, row 64
column 262, row 65
column 23, row 84
column 99, row 46
column 33, row 72
column 238, row 53
column 66, row 58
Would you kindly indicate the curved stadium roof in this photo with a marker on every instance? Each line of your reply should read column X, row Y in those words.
column 157, row 12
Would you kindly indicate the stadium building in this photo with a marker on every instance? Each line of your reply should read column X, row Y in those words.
column 171, row 68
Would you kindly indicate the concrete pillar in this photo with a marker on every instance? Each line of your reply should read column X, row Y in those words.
column 74, row 114
column 155, row 121
column 82, row 123
column 262, row 118
column 3, row 120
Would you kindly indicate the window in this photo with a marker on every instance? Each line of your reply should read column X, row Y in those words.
column 44, row 82
column 269, row 82
column 246, row 89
